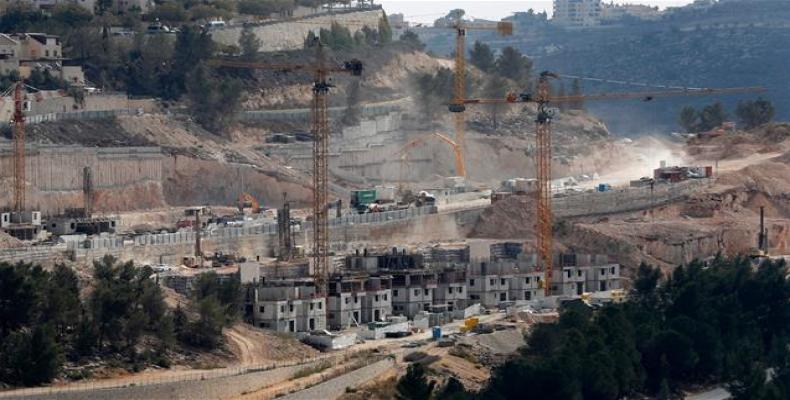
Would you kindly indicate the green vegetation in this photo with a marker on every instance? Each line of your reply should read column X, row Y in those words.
column 751, row 114
column 218, row 304
column 724, row 322
column 755, row 113
column 414, row 385
column 511, row 67
column 710, row 117
column 44, row 323
column 412, row 40
column 482, row 57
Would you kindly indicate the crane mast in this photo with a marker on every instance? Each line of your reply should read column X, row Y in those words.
column 320, row 129
column 543, row 171
column 19, row 151
column 459, row 78
column 459, row 90
column 320, row 121
column 542, row 98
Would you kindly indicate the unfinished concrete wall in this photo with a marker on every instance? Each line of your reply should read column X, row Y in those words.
column 55, row 173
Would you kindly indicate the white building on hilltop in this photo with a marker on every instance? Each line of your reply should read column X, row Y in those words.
column 577, row 12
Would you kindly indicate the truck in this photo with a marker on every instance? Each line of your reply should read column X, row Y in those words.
column 604, row 187
column 362, row 199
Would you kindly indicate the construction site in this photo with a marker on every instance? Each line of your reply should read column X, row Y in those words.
column 389, row 231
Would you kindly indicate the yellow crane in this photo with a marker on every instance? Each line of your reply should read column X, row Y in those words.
column 459, row 79
column 403, row 153
column 543, row 145
column 320, row 70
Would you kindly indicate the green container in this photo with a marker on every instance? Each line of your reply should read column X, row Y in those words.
column 363, row 197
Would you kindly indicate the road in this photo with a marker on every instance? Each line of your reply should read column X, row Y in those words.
column 335, row 387
column 714, row 394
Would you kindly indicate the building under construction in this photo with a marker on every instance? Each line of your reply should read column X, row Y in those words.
column 438, row 283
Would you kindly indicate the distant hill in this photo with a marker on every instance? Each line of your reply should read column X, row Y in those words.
column 744, row 43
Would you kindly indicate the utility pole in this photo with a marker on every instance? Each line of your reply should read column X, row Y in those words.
column 87, row 191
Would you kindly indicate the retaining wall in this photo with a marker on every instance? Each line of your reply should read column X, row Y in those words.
column 60, row 168
column 279, row 36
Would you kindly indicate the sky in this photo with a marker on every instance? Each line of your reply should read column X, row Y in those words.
column 427, row 11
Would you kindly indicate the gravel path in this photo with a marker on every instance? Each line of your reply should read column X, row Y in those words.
column 334, row 388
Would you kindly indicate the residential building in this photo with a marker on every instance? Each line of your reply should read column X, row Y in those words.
column 38, row 47
column 451, row 290
column 614, row 12
column 287, row 306
column 346, row 297
column 412, row 291
column 577, row 13
column 377, row 304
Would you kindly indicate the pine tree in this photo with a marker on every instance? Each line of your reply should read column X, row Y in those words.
column 249, row 43
column 385, row 30
column 482, row 57
column 414, row 385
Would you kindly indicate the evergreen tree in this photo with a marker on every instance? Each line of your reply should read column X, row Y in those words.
column 414, row 385
column 689, row 119
column 755, row 113
column 494, row 88
column 351, row 115
column 512, row 65
column 482, row 57
column 412, row 40
column 384, row 29
column 213, row 101
column 249, row 43
column 712, row 116
column 310, row 40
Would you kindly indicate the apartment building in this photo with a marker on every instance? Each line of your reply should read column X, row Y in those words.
column 288, row 306
column 578, row 13
column 412, row 291
column 451, row 290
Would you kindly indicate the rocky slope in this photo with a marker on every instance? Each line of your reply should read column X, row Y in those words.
column 722, row 218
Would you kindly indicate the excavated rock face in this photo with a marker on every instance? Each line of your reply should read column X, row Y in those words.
column 722, row 218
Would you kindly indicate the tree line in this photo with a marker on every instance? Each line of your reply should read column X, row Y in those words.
column 44, row 322
column 725, row 321
column 750, row 114
column 510, row 68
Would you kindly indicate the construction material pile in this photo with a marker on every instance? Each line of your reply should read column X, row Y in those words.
column 7, row 242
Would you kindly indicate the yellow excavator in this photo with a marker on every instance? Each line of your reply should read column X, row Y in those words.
column 246, row 201
column 403, row 153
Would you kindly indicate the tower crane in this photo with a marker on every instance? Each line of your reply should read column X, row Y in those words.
column 320, row 129
column 403, row 152
column 459, row 80
column 19, row 150
column 542, row 98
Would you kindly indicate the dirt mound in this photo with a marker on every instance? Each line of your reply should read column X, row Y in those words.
column 254, row 346
column 513, row 217
column 771, row 178
column 8, row 241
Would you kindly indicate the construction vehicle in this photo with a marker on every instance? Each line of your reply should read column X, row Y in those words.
column 542, row 98
column 247, row 202
column 320, row 71
column 362, row 199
